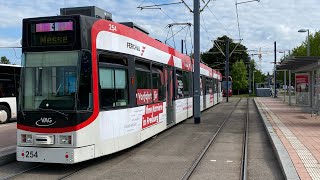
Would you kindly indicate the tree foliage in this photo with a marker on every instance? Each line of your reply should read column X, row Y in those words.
column 4, row 60
column 301, row 50
column 215, row 59
column 259, row 77
column 239, row 76
column 314, row 46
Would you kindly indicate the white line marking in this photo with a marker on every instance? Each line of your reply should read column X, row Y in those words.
column 228, row 161
column 213, row 160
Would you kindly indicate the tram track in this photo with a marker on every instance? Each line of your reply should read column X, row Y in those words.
column 244, row 162
column 43, row 168
column 243, row 172
column 58, row 171
column 21, row 172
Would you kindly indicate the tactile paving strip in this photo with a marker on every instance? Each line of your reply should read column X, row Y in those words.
column 309, row 161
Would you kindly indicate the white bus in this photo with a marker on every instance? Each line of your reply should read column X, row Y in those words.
column 9, row 82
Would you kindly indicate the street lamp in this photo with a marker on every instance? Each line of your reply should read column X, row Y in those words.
column 284, row 55
column 308, row 48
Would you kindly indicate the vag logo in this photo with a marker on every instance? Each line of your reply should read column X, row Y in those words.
column 45, row 121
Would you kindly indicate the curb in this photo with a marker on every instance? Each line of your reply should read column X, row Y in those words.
column 287, row 167
column 7, row 155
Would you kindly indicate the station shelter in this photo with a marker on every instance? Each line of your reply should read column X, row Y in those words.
column 306, row 70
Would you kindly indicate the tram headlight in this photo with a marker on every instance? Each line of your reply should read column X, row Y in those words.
column 26, row 138
column 65, row 139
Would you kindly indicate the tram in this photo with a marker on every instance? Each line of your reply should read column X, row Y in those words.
column 91, row 87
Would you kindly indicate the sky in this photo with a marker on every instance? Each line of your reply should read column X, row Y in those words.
column 261, row 23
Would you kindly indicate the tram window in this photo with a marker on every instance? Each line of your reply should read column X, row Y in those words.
column 84, row 101
column 208, row 86
column 114, row 87
column 179, row 85
column 63, row 79
column 158, row 84
column 38, row 83
column 186, row 79
column 113, row 60
column 214, row 86
column 202, row 88
column 143, row 79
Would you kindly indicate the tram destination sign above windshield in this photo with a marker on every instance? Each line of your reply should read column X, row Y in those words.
column 56, row 33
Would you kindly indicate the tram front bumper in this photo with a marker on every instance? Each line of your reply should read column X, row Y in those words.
column 55, row 155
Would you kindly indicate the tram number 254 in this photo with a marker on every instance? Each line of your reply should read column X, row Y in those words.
column 31, row 154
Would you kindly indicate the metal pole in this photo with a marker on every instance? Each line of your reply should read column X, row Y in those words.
column 227, row 67
column 275, row 70
column 250, row 87
column 308, row 49
column 285, row 85
column 289, row 87
column 182, row 46
column 196, row 75
column 253, row 83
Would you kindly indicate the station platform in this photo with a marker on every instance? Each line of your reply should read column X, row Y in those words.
column 295, row 137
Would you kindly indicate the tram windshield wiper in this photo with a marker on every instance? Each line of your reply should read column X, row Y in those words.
column 48, row 109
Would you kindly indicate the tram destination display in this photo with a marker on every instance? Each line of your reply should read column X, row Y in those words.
column 52, row 33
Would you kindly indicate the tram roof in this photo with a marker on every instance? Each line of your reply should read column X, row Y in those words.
column 296, row 62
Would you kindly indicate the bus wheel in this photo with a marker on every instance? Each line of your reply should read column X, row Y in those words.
column 4, row 114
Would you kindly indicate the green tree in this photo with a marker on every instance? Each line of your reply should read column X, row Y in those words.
column 4, row 60
column 259, row 77
column 215, row 59
column 314, row 46
column 239, row 76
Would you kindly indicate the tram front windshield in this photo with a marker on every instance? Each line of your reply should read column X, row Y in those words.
column 50, row 80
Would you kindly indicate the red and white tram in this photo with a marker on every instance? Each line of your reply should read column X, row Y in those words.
column 91, row 87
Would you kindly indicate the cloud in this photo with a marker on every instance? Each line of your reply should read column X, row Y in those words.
column 10, row 42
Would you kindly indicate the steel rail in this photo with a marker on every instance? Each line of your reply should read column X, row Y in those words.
column 21, row 172
column 194, row 165
column 244, row 162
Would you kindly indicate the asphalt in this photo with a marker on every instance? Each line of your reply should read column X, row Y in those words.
column 8, row 136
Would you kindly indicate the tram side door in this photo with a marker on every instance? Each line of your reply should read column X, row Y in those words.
column 204, row 88
column 170, row 95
